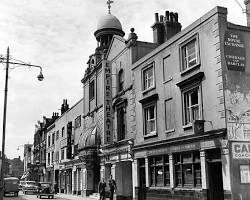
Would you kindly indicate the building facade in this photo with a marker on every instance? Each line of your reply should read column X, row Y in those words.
column 191, row 111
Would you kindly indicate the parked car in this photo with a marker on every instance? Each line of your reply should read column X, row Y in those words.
column 20, row 186
column 45, row 189
column 11, row 186
column 29, row 187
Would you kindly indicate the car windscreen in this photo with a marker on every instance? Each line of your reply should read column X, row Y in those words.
column 45, row 184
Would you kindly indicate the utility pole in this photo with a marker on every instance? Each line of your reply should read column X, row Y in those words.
column 4, row 123
column 40, row 78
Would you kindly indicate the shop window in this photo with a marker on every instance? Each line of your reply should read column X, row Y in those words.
column 120, row 80
column 148, row 78
column 159, row 171
column 190, row 53
column 192, row 105
column 150, row 119
column 92, row 90
column 187, row 170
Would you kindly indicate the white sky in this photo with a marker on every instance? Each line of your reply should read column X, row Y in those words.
column 58, row 35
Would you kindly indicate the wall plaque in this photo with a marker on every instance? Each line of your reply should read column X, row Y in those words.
column 234, row 51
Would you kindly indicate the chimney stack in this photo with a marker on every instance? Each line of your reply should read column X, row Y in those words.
column 166, row 27
column 247, row 3
column 158, row 30
column 65, row 106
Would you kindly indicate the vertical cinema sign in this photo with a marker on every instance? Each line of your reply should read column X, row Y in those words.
column 107, row 103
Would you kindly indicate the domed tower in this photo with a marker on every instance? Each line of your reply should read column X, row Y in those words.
column 107, row 26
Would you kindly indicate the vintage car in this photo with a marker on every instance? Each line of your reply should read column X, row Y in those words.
column 20, row 186
column 11, row 186
column 29, row 187
column 45, row 189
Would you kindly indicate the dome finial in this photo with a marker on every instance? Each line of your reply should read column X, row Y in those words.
column 109, row 4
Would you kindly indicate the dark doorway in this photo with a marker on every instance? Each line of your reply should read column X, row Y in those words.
column 215, row 191
column 142, row 180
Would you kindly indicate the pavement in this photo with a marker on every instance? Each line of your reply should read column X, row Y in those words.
column 73, row 197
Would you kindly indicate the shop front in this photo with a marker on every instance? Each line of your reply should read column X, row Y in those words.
column 193, row 167
column 116, row 160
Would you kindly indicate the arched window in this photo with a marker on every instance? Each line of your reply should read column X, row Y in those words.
column 120, row 80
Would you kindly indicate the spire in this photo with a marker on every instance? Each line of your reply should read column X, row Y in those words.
column 109, row 4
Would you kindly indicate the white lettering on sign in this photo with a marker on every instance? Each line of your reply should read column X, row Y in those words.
column 107, row 103
column 241, row 150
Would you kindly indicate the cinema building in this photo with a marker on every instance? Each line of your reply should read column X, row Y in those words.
column 193, row 111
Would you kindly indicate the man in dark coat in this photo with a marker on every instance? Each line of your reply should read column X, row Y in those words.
column 112, row 187
column 101, row 189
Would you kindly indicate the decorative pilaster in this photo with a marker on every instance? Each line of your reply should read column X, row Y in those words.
column 225, row 159
column 204, row 170
column 135, row 176
column 146, row 171
column 171, row 171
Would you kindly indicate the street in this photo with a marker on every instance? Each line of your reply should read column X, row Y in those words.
column 22, row 196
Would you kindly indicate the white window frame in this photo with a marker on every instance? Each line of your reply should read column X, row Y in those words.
column 185, row 63
column 146, row 120
column 145, row 80
column 188, row 108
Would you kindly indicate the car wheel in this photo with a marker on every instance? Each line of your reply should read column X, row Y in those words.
column 52, row 197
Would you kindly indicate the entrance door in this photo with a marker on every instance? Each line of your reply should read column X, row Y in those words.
column 215, row 181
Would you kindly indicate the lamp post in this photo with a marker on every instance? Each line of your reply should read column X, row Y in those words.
column 40, row 78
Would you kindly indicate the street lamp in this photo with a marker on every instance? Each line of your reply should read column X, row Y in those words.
column 40, row 77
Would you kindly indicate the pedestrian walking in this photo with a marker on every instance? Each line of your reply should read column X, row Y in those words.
column 112, row 187
column 101, row 189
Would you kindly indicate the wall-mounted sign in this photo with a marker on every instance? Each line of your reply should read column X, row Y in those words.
column 244, row 174
column 107, row 103
column 234, row 51
column 241, row 150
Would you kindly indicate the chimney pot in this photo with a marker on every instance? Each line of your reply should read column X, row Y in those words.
column 167, row 15
column 176, row 17
column 156, row 17
column 171, row 16
column 161, row 18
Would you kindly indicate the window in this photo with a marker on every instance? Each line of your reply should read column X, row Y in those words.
column 48, row 158
column 78, row 122
column 189, row 53
column 52, row 157
column 169, row 114
column 53, row 138
column 92, row 90
column 49, row 141
column 121, row 124
column 120, row 80
column 187, row 170
column 159, row 170
column 192, row 105
column 62, row 154
column 150, row 120
column 57, row 135
column 62, row 131
column 148, row 78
